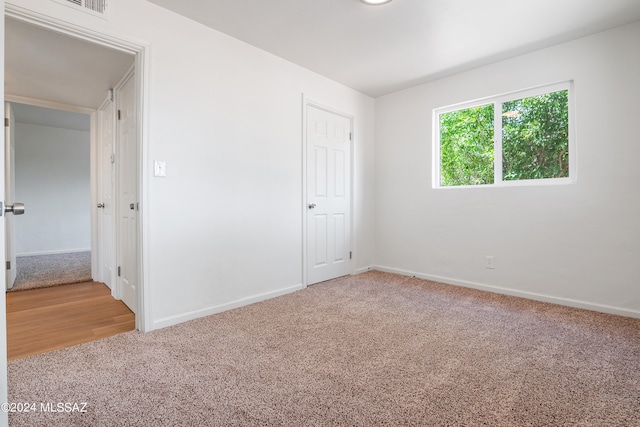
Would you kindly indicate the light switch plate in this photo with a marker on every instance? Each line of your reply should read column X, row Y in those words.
column 160, row 168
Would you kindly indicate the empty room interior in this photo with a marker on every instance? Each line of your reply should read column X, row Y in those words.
column 331, row 212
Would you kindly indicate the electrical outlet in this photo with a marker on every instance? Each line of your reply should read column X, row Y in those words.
column 488, row 262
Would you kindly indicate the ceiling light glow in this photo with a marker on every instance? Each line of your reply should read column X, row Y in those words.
column 375, row 2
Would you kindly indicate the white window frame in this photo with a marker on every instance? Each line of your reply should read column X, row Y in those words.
column 497, row 102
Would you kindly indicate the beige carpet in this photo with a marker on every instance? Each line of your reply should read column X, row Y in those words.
column 42, row 271
column 369, row 350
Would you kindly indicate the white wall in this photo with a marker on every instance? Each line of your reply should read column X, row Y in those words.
column 53, row 181
column 575, row 244
column 225, row 225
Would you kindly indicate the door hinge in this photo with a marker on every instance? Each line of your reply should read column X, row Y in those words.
column 6, row 122
column 350, row 254
column 118, row 271
column 350, row 137
column 8, row 265
column 118, row 114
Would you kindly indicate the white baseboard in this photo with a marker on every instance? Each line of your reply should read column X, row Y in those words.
column 54, row 252
column 174, row 320
column 364, row 270
column 602, row 308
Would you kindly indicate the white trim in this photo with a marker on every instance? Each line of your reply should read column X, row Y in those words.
column 140, row 50
column 569, row 302
column 363, row 270
column 310, row 102
column 94, row 170
column 55, row 252
column 508, row 96
column 518, row 183
column 127, row 45
column 48, row 104
column 304, row 191
column 143, row 58
column 196, row 314
column 497, row 144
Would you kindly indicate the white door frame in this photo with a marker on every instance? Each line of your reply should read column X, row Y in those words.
column 141, row 64
column 309, row 102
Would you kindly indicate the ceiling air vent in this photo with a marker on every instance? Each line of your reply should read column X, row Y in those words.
column 94, row 7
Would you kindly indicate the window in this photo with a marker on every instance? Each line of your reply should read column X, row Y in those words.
column 518, row 138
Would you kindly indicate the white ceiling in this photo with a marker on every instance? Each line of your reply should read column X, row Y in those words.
column 381, row 49
column 50, row 66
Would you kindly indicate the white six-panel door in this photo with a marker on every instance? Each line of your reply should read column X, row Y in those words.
column 106, row 200
column 127, row 172
column 328, row 195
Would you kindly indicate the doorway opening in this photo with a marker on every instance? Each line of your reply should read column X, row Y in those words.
column 48, row 169
column 39, row 56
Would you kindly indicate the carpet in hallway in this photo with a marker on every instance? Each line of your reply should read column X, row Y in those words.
column 41, row 271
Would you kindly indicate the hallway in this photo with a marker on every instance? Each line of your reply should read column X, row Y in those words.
column 41, row 320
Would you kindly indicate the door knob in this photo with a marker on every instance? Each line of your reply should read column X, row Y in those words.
column 17, row 208
column 100, row 205
column 312, row 205
column 132, row 206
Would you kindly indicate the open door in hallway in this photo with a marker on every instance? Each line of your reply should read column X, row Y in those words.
column 127, row 184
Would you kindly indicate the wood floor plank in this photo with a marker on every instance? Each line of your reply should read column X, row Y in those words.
column 47, row 297
column 41, row 320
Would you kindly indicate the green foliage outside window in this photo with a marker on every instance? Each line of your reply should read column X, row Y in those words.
column 535, row 137
column 466, row 146
column 535, row 141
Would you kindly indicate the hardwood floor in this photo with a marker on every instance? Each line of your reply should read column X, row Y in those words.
column 41, row 320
